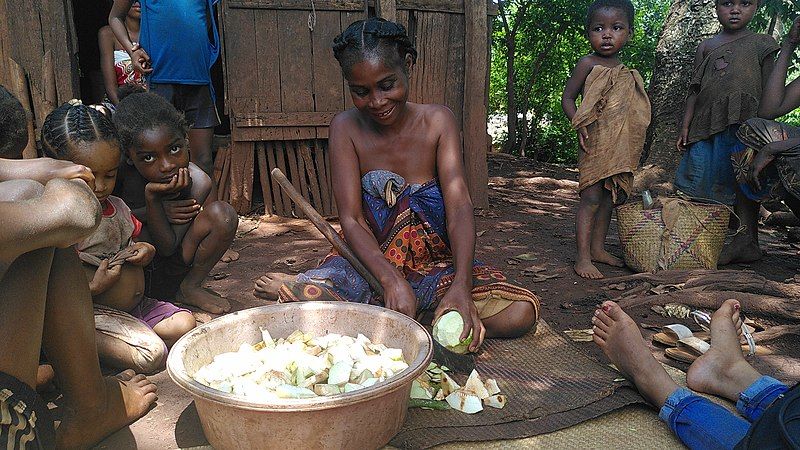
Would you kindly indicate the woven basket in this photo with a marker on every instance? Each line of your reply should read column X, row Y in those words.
column 694, row 242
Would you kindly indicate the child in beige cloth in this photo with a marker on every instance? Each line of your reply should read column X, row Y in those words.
column 611, row 122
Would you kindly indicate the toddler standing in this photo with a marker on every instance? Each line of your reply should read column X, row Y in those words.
column 611, row 122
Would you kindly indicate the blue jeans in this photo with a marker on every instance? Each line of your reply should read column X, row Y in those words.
column 701, row 424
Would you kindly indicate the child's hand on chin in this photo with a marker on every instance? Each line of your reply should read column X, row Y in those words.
column 143, row 253
column 179, row 182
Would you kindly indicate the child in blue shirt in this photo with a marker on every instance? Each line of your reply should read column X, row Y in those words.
column 178, row 45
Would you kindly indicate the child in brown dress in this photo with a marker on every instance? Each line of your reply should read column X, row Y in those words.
column 611, row 122
column 729, row 72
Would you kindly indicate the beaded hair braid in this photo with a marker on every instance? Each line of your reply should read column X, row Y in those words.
column 373, row 37
column 73, row 123
column 139, row 112
column 13, row 126
column 625, row 5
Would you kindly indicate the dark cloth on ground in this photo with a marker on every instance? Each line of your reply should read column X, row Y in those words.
column 728, row 83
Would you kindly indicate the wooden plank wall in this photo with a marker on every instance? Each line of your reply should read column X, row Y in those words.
column 38, row 61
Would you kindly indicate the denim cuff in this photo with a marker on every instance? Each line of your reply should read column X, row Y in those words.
column 759, row 396
column 672, row 402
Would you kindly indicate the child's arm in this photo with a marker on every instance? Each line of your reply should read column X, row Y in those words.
column 777, row 98
column 166, row 238
column 398, row 294
column 460, row 226
column 691, row 100
column 104, row 277
column 105, row 40
column 572, row 90
column 144, row 252
column 116, row 20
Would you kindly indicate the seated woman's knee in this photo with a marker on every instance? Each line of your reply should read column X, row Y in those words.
column 521, row 317
column 150, row 358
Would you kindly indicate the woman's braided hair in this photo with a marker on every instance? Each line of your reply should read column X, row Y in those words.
column 71, row 124
column 13, row 126
column 139, row 112
column 370, row 38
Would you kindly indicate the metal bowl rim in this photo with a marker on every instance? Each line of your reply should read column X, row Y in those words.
column 177, row 370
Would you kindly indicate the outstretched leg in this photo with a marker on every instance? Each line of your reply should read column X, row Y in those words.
column 209, row 236
column 600, row 231
column 723, row 371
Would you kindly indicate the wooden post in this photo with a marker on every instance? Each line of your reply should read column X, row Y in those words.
column 241, row 176
column 19, row 87
column 476, row 52
column 387, row 9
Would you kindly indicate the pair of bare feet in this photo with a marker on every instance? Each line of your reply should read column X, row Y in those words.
column 721, row 371
column 127, row 397
column 585, row 267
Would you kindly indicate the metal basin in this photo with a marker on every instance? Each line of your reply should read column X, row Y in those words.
column 367, row 418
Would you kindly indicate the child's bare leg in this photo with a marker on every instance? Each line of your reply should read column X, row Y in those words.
column 205, row 242
column 591, row 198
column 600, row 231
column 200, row 143
column 35, row 216
column 268, row 285
column 96, row 406
column 744, row 246
column 173, row 327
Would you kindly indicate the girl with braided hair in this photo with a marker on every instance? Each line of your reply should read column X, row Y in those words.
column 132, row 329
column 403, row 201
column 190, row 229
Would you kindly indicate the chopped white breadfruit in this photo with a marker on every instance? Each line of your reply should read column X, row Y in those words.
column 419, row 389
column 491, row 386
column 495, row 401
column 339, row 373
column 447, row 331
column 267, row 338
column 475, row 386
column 464, row 402
column 350, row 387
column 327, row 389
column 289, row 391
column 449, row 385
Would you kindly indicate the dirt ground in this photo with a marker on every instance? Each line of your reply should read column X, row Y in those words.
column 529, row 225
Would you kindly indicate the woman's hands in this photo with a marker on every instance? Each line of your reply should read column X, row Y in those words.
column 459, row 298
column 399, row 296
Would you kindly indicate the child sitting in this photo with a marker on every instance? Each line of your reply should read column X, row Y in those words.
column 611, row 122
column 190, row 229
column 403, row 201
column 729, row 72
column 113, row 261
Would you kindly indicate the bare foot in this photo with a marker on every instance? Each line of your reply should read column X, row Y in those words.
column 722, row 370
column 587, row 270
column 126, row 398
column 202, row 298
column 602, row 256
column 230, row 256
column 267, row 286
column 621, row 341
column 740, row 250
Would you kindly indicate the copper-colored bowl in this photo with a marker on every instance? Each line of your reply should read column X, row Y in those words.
column 363, row 419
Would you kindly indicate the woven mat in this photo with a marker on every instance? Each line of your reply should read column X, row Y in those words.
column 549, row 383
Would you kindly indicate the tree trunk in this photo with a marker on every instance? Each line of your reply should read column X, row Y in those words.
column 511, row 94
column 687, row 24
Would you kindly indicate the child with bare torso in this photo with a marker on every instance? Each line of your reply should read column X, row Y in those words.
column 189, row 229
column 610, row 130
column 132, row 329
column 403, row 201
